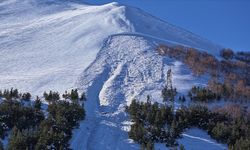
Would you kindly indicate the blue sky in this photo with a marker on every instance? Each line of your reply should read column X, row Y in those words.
column 226, row 22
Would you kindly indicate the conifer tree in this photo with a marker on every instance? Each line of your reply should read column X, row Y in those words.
column 182, row 147
column 16, row 141
column 83, row 97
column 168, row 92
column 37, row 103
column 26, row 96
column 1, row 146
column 150, row 146
column 65, row 95
column 74, row 95
column 1, row 94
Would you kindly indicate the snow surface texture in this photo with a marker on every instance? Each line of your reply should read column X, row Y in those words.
column 50, row 51
column 195, row 139
column 108, row 51
column 127, row 67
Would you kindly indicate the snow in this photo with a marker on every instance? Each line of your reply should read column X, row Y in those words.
column 107, row 51
column 49, row 52
column 195, row 139
column 126, row 68
column 51, row 46
column 150, row 25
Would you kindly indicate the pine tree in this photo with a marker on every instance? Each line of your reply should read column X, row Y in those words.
column 37, row 103
column 17, row 140
column 143, row 146
column 168, row 92
column 26, row 96
column 1, row 94
column 83, row 97
column 45, row 95
column 1, row 146
column 173, row 134
column 74, row 95
column 183, row 99
column 51, row 97
column 182, row 147
column 241, row 144
column 14, row 93
column 65, row 95
column 150, row 146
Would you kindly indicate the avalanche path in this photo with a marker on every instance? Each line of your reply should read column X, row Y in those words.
column 126, row 67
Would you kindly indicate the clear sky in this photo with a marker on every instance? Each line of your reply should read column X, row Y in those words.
column 226, row 22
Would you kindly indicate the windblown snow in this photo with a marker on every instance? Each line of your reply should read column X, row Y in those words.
column 108, row 51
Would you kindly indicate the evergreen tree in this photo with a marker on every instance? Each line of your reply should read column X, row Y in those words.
column 1, row 94
column 150, row 146
column 182, row 147
column 51, row 97
column 37, row 103
column 22, row 139
column 83, row 97
column 65, row 95
column 183, row 99
column 14, row 93
column 1, row 146
column 74, row 95
column 143, row 146
column 241, row 144
column 26, row 96
column 45, row 95
column 30, row 129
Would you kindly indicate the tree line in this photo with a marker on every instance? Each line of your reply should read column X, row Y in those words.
column 203, row 94
column 230, row 75
column 12, row 93
column 156, row 123
column 30, row 128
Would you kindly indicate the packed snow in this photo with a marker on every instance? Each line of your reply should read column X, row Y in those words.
column 107, row 51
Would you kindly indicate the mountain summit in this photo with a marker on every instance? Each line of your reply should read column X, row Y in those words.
column 37, row 37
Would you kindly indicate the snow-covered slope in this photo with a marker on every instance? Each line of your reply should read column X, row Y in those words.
column 147, row 24
column 127, row 67
column 50, row 51
column 108, row 51
column 47, row 44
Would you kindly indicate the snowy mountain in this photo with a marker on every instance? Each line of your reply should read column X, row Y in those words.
column 108, row 51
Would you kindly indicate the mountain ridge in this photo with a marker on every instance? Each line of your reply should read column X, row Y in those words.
column 74, row 30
